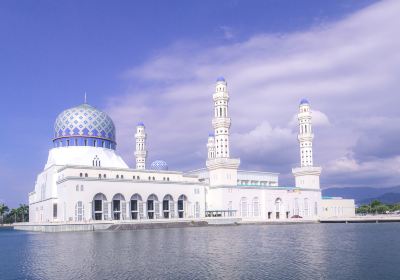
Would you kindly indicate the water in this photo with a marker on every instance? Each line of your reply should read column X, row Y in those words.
column 316, row 251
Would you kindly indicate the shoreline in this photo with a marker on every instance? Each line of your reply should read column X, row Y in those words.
column 181, row 223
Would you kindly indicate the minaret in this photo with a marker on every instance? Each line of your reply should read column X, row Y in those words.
column 305, row 135
column 140, row 153
column 211, row 146
column 222, row 168
column 221, row 122
column 307, row 175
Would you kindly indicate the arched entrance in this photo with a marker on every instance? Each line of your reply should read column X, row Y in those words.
column 168, row 207
column 100, row 207
column 119, row 207
column 136, row 207
column 182, row 200
column 278, row 205
column 152, row 207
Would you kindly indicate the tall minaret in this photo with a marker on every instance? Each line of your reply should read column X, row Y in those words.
column 307, row 175
column 141, row 152
column 221, row 122
column 305, row 135
column 211, row 146
column 222, row 168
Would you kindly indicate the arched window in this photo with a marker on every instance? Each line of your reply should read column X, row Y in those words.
column 168, row 207
column 182, row 201
column 104, row 176
column 80, row 175
column 119, row 207
column 86, row 175
column 136, row 207
column 117, row 176
column 100, row 207
column 153, row 207
column 220, row 111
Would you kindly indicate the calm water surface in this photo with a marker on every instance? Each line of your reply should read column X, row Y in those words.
column 316, row 251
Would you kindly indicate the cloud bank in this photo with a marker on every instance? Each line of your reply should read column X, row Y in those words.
column 348, row 70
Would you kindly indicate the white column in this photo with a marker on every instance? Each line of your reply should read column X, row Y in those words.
column 141, row 152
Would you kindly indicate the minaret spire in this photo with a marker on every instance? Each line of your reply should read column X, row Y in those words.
column 141, row 152
column 221, row 122
column 305, row 135
column 222, row 168
column 307, row 175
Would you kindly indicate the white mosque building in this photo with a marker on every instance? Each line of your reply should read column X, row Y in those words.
column 85, row 180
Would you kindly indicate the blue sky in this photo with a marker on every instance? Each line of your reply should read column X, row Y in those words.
column 156, row 61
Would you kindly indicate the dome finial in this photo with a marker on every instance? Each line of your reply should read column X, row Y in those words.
column 85, row 98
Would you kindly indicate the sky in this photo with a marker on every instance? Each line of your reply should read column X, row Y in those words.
column 157, row 62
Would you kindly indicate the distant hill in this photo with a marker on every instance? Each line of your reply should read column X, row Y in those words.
column 365, row 195
column 387, row 198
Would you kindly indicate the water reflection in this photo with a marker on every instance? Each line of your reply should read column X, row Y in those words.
column 315, row 251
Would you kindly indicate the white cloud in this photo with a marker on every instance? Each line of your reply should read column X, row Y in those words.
column 348, row 70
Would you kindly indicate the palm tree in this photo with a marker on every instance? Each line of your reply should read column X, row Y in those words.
column 23, row 210
column 3, row 210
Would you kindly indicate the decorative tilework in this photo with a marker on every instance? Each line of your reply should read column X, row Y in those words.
column 159, row 165
column 84, row 120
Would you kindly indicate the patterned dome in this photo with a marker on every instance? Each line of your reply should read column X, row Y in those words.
column 84, row 125
column 159, row 165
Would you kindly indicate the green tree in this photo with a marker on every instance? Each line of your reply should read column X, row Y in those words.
column 3, row 210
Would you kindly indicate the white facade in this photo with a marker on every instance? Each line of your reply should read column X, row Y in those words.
column 85, row 179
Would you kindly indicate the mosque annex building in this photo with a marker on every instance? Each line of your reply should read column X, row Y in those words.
column 85, row 180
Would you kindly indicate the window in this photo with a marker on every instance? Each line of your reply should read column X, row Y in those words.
column 79, row 211
column 80, row 175
column 81, row 188
column 86, row 175
column 138, row 177
column 104, row 176
column 99, row 176
column 77, row 188
column 95, row 143
column 85, row 142
column 55, row 210
column 134, row 177
column 117, row 176
column 76, row 142
column 154, row 178
column 68, row 143
column 122, row 176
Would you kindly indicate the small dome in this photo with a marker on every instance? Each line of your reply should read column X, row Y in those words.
column 304, row 101
column 211, row 134
column 159, row 165
column 140, row 124
column 220, row 79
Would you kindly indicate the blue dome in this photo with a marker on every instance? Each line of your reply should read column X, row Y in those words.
column 140, row 124
column 159, row 165
column 211, row 134
column 84, row 125
column 220, row 79
column 304, row 101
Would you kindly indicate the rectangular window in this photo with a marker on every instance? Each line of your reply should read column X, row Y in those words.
column 55, row 210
